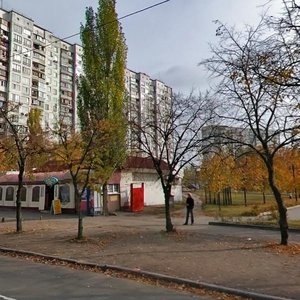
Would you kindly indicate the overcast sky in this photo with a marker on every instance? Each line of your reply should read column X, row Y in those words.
column 165, row 42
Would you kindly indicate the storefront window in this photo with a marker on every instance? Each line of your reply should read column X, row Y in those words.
column 36, row 194
column 9, row 194
column 113, row 188
column 23, row 194
column 64, row 193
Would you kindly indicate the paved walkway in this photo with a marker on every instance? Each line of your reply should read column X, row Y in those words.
column 232, row 257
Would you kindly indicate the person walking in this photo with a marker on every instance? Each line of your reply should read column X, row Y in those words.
column 189, row 209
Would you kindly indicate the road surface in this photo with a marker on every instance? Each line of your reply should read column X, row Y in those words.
column 26, row 280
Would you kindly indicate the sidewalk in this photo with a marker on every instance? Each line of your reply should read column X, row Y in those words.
column 211, row 254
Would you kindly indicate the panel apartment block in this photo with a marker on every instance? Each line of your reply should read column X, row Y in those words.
column 37, row 69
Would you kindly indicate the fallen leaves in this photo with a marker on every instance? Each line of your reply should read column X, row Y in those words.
column 290, row 249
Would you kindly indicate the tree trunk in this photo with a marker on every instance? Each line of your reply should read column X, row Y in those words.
column 80, row 226
column 79, row 213
column 245, row 197
column 283, row 224
column 264, row 197
column 105, row 199
column 169, row 225
column 219, row 200
column 205, row 195
column 18, row 200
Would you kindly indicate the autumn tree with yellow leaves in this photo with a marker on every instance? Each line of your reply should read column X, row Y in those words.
column 22, row 147
column 264, row 108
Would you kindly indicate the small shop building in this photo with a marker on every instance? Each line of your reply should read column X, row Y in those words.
column 130, row 188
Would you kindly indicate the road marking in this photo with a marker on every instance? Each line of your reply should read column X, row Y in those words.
column 6, row 298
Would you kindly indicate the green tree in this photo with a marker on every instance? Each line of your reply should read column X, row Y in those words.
column 102, row 88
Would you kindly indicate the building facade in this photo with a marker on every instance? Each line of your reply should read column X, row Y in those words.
column 147, row 100
column 37, row 69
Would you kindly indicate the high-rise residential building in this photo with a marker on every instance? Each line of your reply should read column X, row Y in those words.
column 147, row 101
column 37, row 69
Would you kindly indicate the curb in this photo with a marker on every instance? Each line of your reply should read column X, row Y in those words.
column 262, row 227
column 150, row 275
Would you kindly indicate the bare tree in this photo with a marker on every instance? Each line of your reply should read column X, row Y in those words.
column 170, row 134
column 265, row 112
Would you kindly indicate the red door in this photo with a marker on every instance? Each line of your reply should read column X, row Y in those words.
column 137, row 198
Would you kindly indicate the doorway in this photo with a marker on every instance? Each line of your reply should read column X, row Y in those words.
column 49, row 196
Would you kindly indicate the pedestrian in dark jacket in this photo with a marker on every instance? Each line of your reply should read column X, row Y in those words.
column 189, row 209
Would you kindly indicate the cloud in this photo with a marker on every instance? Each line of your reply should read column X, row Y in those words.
column 184, row 78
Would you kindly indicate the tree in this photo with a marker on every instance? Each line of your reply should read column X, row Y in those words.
column 170, row 135
column 77, row 154
column 102, row 88
column 22, row 146
column 264, row 111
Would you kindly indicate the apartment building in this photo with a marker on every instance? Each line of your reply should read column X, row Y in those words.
column 37, row 69
column 148, row 99
column 233, row 139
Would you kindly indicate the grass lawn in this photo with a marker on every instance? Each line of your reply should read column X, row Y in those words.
column 254, row 207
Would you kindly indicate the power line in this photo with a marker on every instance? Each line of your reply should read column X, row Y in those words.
column 102, row 25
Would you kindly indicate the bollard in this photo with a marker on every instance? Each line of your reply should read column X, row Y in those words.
column 3, row 220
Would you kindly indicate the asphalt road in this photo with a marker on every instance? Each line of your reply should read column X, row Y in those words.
column 20, row 280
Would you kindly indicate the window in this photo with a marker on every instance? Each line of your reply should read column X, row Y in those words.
column 23, row 194
column 25, row 90
column 113, row 188
column 16, row 87
column 25, row 100
column 26, row 80
column 17, row 57
column 26, row 71
column 17, row 48
column 36, row 194
column 15, row 97
column 16, row 68
column 18, row 38
column 27, row 42
column 1, row 193
column 9, row 194
column 64, row 193
column 27, row 32
column 26, row 61
column 3, row 83
column 16, row 78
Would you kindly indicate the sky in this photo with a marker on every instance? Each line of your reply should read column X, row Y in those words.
column 165, row 42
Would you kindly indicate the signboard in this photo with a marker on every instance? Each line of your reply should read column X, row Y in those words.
column 56, row 206
column 50, row 181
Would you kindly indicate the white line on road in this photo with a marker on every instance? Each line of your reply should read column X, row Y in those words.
column 6, row 298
